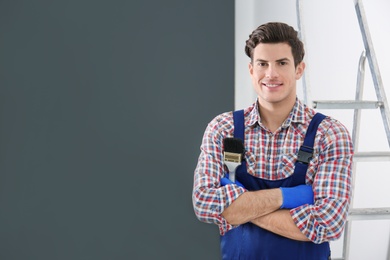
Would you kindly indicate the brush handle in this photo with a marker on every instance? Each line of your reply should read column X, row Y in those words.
column 232, row 166
column 232, row 176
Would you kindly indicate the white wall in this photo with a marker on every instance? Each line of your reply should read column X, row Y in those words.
column 333, row 46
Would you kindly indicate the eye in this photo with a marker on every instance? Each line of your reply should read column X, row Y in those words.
column 283, row 63
column 261, row 64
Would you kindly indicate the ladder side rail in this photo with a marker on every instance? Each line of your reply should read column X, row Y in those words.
column 355, row 140
column 388, row 251
column 374, row 67
column 305, row 84
column 348, row 224
column 347, row 239
column 358, row 97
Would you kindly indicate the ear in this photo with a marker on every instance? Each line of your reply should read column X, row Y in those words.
column 299, row 70
column 250, row 67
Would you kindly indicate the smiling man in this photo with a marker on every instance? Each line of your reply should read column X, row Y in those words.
column 292, row 189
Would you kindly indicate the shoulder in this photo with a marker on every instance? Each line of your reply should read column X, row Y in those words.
column 332, row 126
column 334, row 134
column 223, row 123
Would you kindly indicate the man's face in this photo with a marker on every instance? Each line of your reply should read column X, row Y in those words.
column 273, row 73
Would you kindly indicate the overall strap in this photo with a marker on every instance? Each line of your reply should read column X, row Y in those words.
column 306, row 151
column 239, row 124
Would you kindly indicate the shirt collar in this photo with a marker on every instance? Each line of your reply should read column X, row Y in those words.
column 297, row 114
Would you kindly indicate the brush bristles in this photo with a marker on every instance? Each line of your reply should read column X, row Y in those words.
column 233, row 145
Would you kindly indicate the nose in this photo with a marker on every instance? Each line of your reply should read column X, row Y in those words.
column 271, row 72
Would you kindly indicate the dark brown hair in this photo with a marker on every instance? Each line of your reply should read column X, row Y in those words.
column 276, row 33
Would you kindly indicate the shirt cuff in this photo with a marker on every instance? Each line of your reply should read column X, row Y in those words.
column 305, row 220
column 224, row 226
column 232, row 194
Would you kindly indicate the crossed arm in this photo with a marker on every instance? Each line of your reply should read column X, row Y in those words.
column 262, row 208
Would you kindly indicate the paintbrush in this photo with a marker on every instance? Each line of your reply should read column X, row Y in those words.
column 233, row 155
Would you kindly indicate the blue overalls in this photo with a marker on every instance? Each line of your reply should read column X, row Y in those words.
column 249, row 241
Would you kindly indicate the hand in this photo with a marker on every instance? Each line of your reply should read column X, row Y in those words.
column 297, row 196
column 225, row 180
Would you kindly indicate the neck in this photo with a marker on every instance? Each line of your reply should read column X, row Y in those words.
column 274, row 114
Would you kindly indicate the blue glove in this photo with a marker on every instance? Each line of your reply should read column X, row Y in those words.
column 225, row 180
column 297, row 196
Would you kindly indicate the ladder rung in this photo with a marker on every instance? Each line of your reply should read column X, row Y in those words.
column 369, row 213
column 347, row 104
column 371, row 156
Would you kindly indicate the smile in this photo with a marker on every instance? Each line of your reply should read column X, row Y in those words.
column 273, row 85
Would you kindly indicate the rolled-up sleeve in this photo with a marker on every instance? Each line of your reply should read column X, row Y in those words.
column 209, row 198
column 325, row 220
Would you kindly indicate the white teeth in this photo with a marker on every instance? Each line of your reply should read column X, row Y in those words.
column 272, row 85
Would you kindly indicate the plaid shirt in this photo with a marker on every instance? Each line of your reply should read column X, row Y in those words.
column 271, row 156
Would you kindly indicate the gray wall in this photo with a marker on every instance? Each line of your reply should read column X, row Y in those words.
column 103, row 105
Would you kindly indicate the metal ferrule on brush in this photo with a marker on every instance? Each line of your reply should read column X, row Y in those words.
column 233, row 157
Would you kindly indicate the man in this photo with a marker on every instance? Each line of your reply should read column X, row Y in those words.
column 273, row 211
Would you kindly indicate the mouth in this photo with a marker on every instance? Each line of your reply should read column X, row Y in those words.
column 272, row 85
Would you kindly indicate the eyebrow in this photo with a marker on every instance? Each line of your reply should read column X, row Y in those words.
column 279, row 60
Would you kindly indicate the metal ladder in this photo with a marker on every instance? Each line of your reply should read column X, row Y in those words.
column 358, row 104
